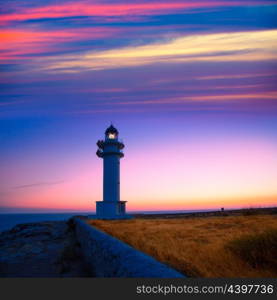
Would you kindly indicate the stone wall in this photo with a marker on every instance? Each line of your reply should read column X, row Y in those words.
column 109, row 257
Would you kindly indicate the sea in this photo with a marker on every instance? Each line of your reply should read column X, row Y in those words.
column 9, row 220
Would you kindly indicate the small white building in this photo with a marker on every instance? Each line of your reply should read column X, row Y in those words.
column 110, row 150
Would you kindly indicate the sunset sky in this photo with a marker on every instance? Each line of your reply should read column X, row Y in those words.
column 190, row 85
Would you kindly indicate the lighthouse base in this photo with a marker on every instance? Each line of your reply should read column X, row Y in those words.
column 110, row 210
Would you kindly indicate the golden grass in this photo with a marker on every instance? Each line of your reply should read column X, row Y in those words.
column 197, row 247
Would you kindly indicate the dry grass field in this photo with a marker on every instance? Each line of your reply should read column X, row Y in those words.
column 230, row 246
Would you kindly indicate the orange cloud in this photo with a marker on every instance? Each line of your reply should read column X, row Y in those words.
column 224, row 97
column 257, row 95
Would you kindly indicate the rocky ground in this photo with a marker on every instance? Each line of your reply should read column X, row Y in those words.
column 45, row 249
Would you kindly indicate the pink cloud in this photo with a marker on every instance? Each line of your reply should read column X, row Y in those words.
column 22, row 43
column 117, row 10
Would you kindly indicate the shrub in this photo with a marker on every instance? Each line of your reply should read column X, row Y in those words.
column 258, row 250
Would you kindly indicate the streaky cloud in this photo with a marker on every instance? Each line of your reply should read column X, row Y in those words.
column 131, row 9
column 238, row 46
column 38, row 184
column 233, row 76
column 24, row 43
column 212, row 98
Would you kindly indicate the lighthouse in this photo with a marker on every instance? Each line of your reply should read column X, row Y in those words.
column 110, row 150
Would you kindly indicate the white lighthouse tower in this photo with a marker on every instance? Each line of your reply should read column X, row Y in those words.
column 110, row 150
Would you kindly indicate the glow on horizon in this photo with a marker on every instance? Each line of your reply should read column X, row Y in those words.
column 196, row 175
